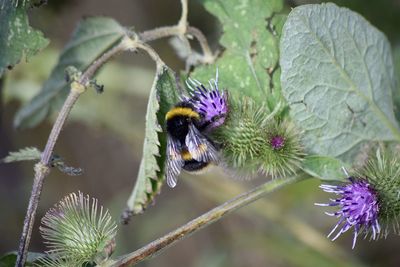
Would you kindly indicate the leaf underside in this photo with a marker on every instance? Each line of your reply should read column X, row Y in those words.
column 163, row 96
column 337, row 75
column 92, row 37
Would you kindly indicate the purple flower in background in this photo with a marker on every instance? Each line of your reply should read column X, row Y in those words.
column 210, row 103
column 358, row 208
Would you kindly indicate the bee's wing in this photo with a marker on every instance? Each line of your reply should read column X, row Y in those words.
column 199, row 146
column 174, row 162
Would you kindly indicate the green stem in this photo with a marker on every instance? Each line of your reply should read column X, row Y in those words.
column 202, row 221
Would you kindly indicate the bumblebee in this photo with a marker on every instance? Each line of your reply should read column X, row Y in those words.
column 188, row 124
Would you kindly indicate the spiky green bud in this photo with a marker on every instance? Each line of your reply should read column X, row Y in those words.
column 284, row 152
column 382, row 171
column 252, row 141
column 242, row 135
column 76, row 231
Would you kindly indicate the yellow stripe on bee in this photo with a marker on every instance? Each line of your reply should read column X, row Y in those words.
column 201, row 149
column 182, row 111
column 186, row 155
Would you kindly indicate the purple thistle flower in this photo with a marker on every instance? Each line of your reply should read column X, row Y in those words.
column 358, row 207
column 277, row 142
column 210, row 103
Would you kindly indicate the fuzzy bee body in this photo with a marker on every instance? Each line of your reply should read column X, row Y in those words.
column 179, row 118
column 187, row 147
column 188, row 124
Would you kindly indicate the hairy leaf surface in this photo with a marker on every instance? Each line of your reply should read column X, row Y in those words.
column 338, row 77
column 323, row 167
column 249, row 61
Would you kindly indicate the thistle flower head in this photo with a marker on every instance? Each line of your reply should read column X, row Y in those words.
column 210, row 102
column 284, row 152
column 277, row 142
column 242, row 135
column 77, row 230
column 358, row 208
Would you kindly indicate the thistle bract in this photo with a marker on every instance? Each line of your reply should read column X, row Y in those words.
column 358, row 208
column 382, row 171
column 284, row 152
column 254, row 142
column 242, row 136
column 77, row 230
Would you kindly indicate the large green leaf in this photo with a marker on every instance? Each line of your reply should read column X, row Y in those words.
column 17, row 38
column 338, row 77
column 324, row 167
column 251, row 39
column 93, row 36
column 163, row 96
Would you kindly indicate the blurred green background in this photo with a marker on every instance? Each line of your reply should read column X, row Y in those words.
column 104, row 136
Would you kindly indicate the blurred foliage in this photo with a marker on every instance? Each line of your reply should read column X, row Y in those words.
column 92, row 38
column 27, row 153
column 8, row 260
column 17, row 39
column 396, row 91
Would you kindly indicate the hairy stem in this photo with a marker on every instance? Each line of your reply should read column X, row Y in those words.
column 41, row 171
column 212, row 216
column 181, row 29
column 202, row 41
column 125, row 44
column 153, row 54
column 42, row 168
